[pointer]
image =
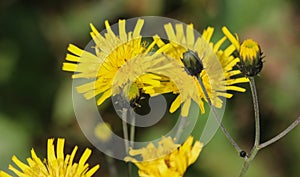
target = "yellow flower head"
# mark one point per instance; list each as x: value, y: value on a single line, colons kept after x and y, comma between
x: 249, y: 53
x: 103, y: 131
x: 152, y: 74
x: 168, y: 159
x: 111, y: 53
x: 56, y: 164
x: 201, y: 59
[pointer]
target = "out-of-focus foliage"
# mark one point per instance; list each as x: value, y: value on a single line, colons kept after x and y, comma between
x: 35, y: 97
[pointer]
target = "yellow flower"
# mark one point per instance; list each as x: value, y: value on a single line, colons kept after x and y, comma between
x: 202, y: 59
x: 168, y: 159
x: 249, y: 52
x: 56, y: 164
x: 111, y: 53
x: 153, y: 74
x: 103, y: 131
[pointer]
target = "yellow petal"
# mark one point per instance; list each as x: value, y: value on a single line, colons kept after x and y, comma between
x: 92, y: 171
x: 231, y: 38
x: 3, y: 174
x: 109, y: 31
x: 180, y: 33
x: 195, y: 152
x: 50, y: 150
x: 73, y: 155
x: 20, y: 164
x: 236, y: 88
x: 190, y: 39
x: 229, y: 50
x: 175, y: 104
x: 94, y: 30
x: 74, y: 49
x: 84, y: 157
x: 170, y: 32
x: 17, y: 172
x: 237, y: 80
x: 103, y: 97
x: 186, y: 108
x: 122, y: 30
x: 219, y: 43
x: 69, y: 67
x: 138, y: 28
x: 74, y: 58
x: 207, y: 34
x: 60, y: 148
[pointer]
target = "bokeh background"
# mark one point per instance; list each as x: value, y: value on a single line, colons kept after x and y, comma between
x: 36, y: 96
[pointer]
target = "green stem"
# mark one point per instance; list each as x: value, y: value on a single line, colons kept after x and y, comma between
x: 111, y: 165
x: 132, y: 134
x: 132, y: 127
x: 125, y: 130
x: 256, y: 111
x: 226, y: 133
x: 248, y: 161
x: 280, y: 135
x: 125, y: 134
x: 255, y: 148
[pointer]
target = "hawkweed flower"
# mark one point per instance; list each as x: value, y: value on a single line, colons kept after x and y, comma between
x: 153, y: 74
x: 197, y: 56
x: 111, y: 53
x: 167, y: 159
x: 56, y: 164
x: 249, y: 52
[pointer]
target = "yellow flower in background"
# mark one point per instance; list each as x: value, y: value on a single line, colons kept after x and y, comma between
x: 168, y: 159
x: 111, y: 53
x: 202, y: 59
x: 249, y: 52
x: 103, y: 131
x: 56, y: 164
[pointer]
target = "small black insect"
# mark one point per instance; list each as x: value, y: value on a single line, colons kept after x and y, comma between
x: 243, y: 154
x: 192, y: 63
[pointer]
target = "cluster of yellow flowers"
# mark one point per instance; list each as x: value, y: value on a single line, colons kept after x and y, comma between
x: 125, y: 64
x: 152, y: 76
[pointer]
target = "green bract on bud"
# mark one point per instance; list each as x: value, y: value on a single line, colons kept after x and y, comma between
x: 192, y: 63
x: 251, y: 57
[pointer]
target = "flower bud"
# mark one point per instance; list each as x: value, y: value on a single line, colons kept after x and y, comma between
x: 251, y: 57
x: 192, y: 63
x: 249, y: 53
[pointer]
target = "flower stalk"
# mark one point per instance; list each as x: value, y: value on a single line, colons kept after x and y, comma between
x: 132, y: 127
x: 257, y: 146
x: 125, y: 129
x: 226, y: 133
x: 280, y: 135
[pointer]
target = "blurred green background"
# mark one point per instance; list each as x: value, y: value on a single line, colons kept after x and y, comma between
x: 35, y: 97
